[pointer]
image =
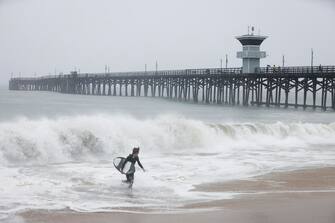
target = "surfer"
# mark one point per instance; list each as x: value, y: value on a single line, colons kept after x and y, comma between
x: 133, y: 158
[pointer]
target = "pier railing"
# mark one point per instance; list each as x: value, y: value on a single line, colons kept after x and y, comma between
x: 299, y: 70
x: 206, y: 71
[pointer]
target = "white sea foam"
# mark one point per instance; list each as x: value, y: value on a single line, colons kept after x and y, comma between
x: 66, y: 162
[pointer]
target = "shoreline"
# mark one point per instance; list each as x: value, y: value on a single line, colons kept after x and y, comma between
x: 306, y: 195
x: 316, y: 208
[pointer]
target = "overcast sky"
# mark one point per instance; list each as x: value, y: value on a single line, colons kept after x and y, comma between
x: 44, y: 36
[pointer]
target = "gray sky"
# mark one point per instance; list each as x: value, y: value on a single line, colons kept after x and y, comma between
x: 39, y: 36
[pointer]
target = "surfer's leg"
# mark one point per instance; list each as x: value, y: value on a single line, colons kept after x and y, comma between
x: 128, y: 177
x: 131, y: 180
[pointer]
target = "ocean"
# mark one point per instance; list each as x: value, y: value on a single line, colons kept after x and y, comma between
x: 56, y: 150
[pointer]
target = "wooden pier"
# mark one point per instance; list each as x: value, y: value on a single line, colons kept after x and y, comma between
x: 305, y: 87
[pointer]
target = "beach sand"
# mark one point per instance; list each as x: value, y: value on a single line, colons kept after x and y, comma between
x: 297, y: 196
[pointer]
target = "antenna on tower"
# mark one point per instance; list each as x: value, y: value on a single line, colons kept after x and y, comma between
x: 252, y: 30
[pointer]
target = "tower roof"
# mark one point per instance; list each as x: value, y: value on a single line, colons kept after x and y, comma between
x: 251, y: 39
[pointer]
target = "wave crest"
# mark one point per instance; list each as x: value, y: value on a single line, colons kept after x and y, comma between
x: 101, y: 137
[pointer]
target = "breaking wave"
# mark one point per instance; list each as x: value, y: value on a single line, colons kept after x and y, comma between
x: 99, y: 137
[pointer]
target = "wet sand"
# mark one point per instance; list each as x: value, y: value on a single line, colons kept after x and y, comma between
x: 298, y: 196
x: 299, y: 180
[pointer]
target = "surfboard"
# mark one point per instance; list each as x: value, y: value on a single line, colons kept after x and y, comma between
x: 128, y: 167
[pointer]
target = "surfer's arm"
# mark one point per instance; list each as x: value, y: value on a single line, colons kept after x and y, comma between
x: 140, y: 164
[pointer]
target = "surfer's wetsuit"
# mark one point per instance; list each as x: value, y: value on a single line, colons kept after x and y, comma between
x: 133, y: 160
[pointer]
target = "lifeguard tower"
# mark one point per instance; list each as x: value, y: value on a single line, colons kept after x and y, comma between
x: 251, y: 53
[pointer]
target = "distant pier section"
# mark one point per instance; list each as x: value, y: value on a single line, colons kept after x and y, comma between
x: 251, y: 85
